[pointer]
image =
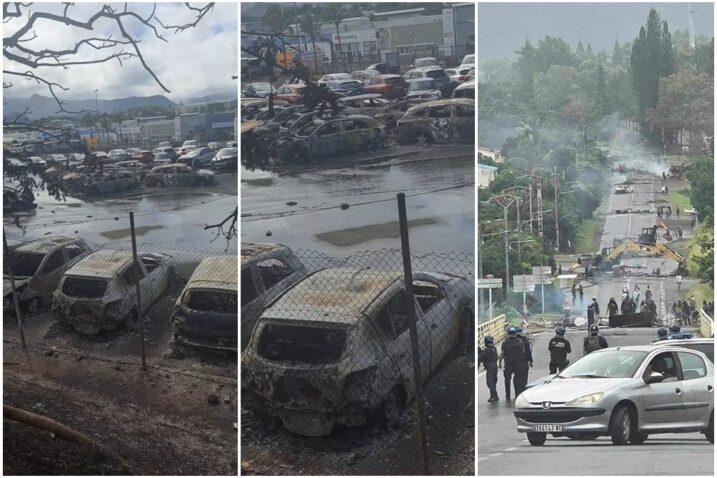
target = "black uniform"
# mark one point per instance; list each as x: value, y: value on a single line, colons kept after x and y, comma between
x: 513, y: 352
x: 612, y: 308
x: 524, y: 366
x: 593, y: 342
x: 489, y: 358
x: 559, y: 349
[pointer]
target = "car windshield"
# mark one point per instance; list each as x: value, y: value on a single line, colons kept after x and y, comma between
x: 420, y: 85
x: 261, y: 86
x: 436, y: 74
x: 342, y: 76
x: 227, y: 152
x: 614, y: 363
x: 469, y: 59
x: 302, y: 344
x: 84, y: 287
x: 421, y: 62
x: 25, y: 264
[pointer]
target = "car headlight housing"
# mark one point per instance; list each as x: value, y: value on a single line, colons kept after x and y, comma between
x: 585, y: 400
x: 521, y: 401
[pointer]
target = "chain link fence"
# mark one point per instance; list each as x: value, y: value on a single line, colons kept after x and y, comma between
x: 94, y: 298
x: 329, y: 371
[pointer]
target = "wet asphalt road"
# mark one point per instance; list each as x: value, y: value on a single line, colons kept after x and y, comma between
x: 504, y: 451
x: 440, y: 221
x: 171, y: 216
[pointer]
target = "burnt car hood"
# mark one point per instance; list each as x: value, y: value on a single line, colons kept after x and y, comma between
x: 7, y: 286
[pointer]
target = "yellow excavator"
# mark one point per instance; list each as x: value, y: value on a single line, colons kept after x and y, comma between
x: 647, y: 244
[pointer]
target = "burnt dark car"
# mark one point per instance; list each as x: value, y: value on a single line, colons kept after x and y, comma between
x: 206, y: 313
x: 441, y: 121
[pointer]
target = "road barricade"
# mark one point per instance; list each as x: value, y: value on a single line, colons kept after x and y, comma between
x: 495, y: 327
x: 707, y: 325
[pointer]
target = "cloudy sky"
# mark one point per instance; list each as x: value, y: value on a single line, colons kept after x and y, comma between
x: 196, y: 62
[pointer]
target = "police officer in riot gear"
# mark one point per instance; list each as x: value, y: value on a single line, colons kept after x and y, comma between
x: 512, y: 351
x: 489, y: 358
x: 527, y: 359
x: 662, y: 333
x: 594, y: 341
x: 559, y: 349
x: 612, y: 307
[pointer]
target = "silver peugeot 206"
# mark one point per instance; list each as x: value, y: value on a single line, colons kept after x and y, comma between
x: 627, y: 393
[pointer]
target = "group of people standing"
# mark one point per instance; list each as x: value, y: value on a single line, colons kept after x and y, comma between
x: 516, y: 357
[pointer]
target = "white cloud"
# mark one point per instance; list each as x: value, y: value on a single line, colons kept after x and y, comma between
x: 194, y: 62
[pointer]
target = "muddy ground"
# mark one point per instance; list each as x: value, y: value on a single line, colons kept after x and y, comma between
x: 177, y: 418
x: 269, y: 449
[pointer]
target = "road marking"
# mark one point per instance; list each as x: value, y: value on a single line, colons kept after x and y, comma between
x: 511, y: 448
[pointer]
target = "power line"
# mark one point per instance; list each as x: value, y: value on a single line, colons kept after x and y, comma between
x: 251, y: 217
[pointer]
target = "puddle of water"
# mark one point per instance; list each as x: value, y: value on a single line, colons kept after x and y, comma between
x: 357, y: 235
x: 122, y: 233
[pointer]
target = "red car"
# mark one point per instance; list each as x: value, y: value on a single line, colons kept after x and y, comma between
x: 289, y: 93
x: 144, y: 156
x: 389, y: 86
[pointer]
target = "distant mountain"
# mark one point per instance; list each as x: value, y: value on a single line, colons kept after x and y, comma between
x: 226, y: 95
x: 44, y: 106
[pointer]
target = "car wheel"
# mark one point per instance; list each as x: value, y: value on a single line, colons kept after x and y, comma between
x: 710, y: 433
x: 34, y: 306
x: 638, y: 438
x: 537, y: 438
x: 620, y: 426
x: 423, y: 139
x: 130, y: 320
x: 391, y: 407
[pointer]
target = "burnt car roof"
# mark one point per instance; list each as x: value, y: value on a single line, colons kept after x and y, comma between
x: 46, y: 245
x: 332, y: 295
x: 254, y: 251
x: 447, y: 101
x: 219, y: 272
x: 104, y: 264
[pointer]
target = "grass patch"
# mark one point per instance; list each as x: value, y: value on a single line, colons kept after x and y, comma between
x: 702, y: 292
x: 679, y: 199
x: 585, y: 235
x: 693, y: 248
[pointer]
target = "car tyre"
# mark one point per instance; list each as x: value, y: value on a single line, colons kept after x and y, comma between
x: 710, y: 432
x: 537, y: 438
x: 131, y: 320
x: 34, y: 306
x: 391, y: 408
x: 638, y: 438
x: 621, y: 426
x: 423, y: 139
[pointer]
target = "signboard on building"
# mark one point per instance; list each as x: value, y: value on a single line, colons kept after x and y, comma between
x: 449, y: 32
x: 383, y: 38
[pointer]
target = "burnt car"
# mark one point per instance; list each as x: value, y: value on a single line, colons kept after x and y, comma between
x: 109, y: 182
x: 368, y: 105
x: 206, y: 312
x: 37, y: 268
x: 99, y: 293
x: 178, y: 175
x: 335, y: 348
x: 442, y: 121
x: 267, y: 270
x: 393, y: 112
x: 320, y: 138
x: 226, y: 158
x: 14, y: 200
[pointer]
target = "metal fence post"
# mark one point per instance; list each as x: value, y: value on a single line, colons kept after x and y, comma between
x: 408, y: 282
x: 15, y: 299
x: 140, y: 316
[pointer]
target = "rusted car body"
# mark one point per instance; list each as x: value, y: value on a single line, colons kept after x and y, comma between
x: 178, y: 175
x: 206, y: 312
x: 442, y: 121
x: 267, y: 270
x: 98, y: 293
x: 335, y: 348
x: 38, y: 267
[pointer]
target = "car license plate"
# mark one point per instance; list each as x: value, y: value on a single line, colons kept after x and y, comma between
x: 548, y: 428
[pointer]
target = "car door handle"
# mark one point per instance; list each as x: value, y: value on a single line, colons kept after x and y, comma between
x: 678, y: 391
x: 709, y: 388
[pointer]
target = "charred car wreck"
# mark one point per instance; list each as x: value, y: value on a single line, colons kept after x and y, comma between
x: 335, y: 348
x: 205, y: 315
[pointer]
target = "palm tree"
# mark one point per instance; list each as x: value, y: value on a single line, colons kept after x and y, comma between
x: 311, y: 26
x: 333, y: 13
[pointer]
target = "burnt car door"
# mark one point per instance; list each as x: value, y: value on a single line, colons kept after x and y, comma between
x: 440, y: 123
x: 439, y: 314
x: 276, y: 275
x: 356, y: 134
x: 464, y: 121
x: 183, y: 176
x: 49, y: 273
x: 326, y: 140
x: 157, y: 274
x: 252, y: 301
x: 393, y: 319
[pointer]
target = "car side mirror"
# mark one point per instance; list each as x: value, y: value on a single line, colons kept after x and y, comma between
x: 655, y: 377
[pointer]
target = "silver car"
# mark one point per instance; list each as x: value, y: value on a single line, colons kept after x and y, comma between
x: 627, y: 393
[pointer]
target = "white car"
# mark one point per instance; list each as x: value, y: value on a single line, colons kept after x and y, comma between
x: 38, y: 162
x: 468, y: 61
x: 335, y: 77
x: 427, y: 62
x: 119, y: 155
x: 458, y: 75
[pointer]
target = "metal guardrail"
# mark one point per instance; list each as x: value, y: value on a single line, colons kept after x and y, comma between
x: 495, y: 327
x: 707, y: 325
